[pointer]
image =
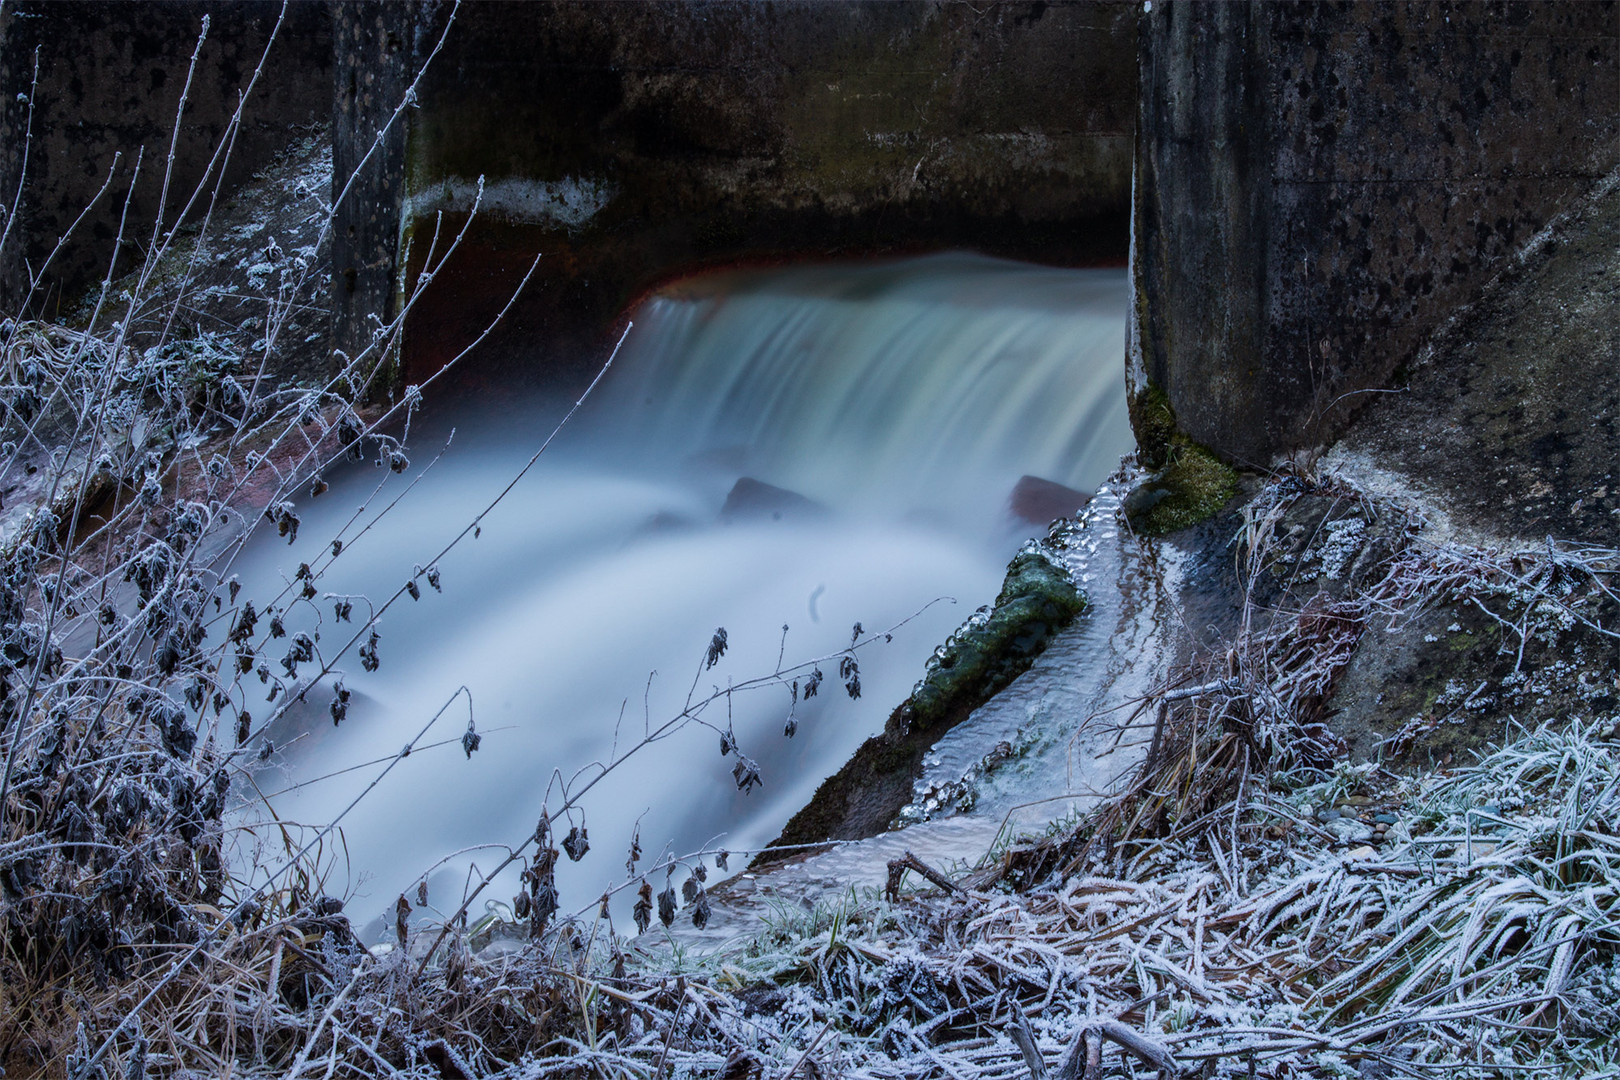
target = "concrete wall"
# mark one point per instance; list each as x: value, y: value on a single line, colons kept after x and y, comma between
x: 375, y: 56
x: 1319, y: 186
x: 630, y: 141
x: 110, y: 80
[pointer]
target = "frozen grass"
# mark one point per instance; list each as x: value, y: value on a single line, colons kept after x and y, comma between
x: 1481, y: 940
x: 1199, y: 916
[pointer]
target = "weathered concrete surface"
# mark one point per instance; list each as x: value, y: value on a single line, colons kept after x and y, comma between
x: 376, y: 52
x: 110, y: 80
x: 628, y: 142
x: 1512, y: 421
x: 1319, y: 186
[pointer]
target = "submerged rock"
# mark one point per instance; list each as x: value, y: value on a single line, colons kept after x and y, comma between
x: 1041, y: 502
x: 752, y: 500
x: 663, y: 523
x: 1037, y: 600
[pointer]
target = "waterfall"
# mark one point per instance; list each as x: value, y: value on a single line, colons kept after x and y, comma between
x: 807, y: 447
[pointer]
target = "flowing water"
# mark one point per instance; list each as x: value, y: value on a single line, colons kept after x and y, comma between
x: 1073, y: 718
x: 891, y: 408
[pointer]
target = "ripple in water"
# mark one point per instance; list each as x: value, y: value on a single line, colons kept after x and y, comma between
x: 899, y: 403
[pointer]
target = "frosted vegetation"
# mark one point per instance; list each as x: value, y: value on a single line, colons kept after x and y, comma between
x: 1217, y: 912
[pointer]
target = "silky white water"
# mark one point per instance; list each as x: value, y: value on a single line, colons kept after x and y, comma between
x: 905, y: 399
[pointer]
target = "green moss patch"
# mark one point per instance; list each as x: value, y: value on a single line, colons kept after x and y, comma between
x: 1154, y: 422
x: 1191, y: 488
x: 1191, y: 483
x: 1036, y: 600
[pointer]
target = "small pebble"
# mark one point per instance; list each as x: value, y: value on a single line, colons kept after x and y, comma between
x: 1350, y: 831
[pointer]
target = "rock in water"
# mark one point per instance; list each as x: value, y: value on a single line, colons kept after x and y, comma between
x: 1040, y: 502
x: 752, y: 499
x: 1037, y: 600
x: 663, y: 523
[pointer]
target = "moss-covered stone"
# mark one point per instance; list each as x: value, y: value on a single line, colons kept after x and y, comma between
x: 1191, y: 484
x: 1037, y: 600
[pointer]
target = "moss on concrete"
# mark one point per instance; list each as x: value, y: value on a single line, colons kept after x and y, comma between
x: 1036, y: 601
x: 1191, y: 488
x: 1154, y: 422
x: 1191, y: 484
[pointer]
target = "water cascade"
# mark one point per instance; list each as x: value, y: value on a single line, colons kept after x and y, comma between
x: 806, y: 448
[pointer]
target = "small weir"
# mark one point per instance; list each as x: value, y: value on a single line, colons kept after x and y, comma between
x: 780, y: 453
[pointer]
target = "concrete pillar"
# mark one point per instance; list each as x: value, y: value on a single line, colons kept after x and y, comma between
x: 1320, y: 186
